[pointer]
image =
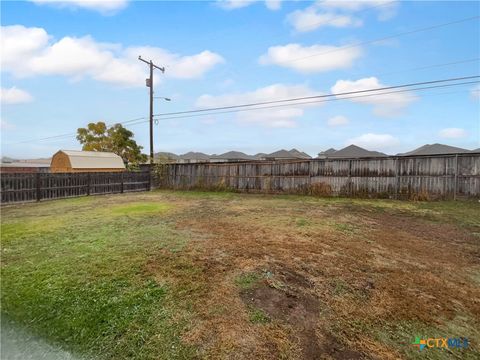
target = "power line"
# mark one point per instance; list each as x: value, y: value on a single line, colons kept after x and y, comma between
x: 381, y: 39
x: 336, y: 17
x: 316, y: 101
x: 291, y: 102
x: 430, y: 66
x: 319, y: 96
x: 306, y: 103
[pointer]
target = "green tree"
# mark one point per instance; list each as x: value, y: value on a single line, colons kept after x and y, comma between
x: 116, y: 139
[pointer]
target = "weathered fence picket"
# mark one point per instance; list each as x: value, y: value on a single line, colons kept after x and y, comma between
x: 435, y: 176
x: 24, y: 187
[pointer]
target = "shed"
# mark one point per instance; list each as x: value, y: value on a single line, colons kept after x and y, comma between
x: 86, y: 161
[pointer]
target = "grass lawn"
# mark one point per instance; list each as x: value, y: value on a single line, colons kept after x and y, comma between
x: 180, y: 275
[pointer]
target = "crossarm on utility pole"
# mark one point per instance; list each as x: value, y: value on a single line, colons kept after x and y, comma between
x: 162, y: 69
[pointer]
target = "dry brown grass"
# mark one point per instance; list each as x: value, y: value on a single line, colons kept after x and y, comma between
x: 293, y: 277
x: 364, y: 279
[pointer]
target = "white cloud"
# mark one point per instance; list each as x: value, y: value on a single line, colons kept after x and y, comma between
x: 305, y: 59
x: 475, y: 93
x: 374, y: 141
x: 238, y: 4
x: 5, y: 125
x: 310, y: 19
x: 14, y: 96
x: 386, y: 105
x: 30, y: 51
x: 106, y: 7
x: 234, y: 4
x: 18, y: 42
x: 273, y: 117
x: 180, y: 67
x: 338, y: 120
x: 338, y: 14
x: 452, y: 133
x: 273, y: 4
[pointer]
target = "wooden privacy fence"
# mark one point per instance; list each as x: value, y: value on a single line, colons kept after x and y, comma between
x: 439, y: 176
x: 18, y: 187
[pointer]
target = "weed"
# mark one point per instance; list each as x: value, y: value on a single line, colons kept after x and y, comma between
x: 247, y: 281
x: 258, y: 316
x: 302, y: 222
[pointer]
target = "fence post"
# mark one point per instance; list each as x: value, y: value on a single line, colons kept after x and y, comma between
x: 397, y: 178
x: 39, y: 186
x: 350, y: 185
x: 88, y: 184
x: 149, y: 184
x: 121, y: 182
x: 310, y: 174
x: 445, y: 176
x: 456, y: 178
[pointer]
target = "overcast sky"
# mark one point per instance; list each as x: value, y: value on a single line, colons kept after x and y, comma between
x: 67, y: 63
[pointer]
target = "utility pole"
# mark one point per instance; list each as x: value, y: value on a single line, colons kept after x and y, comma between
x: 149, y: 83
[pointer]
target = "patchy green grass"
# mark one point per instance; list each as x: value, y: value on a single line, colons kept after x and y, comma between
x: 140, y: 208
x: 302, y: 222
x: 160, y: 275
x: 247, y: 281
x: 258, y: 316
x: 80, y: 281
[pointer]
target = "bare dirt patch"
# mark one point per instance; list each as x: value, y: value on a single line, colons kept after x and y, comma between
x: 286, y: 296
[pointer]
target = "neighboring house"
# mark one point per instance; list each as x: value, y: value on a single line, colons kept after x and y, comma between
x: 352, y: 151
x: 259, y: 156
x: 24, y: 167
x: 193, y: 157
x: 326, y: 153
x: 435, y: 149
x: 231, y: 156
x: 86, y: 161
x: 166, y: 157
x: 293, y: 154
x: 300, y: 154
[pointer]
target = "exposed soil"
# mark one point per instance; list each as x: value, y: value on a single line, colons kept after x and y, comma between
x: 286, y: 299
x: 342, y: 278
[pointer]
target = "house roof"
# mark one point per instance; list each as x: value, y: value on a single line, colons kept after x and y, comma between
x: 285, y: 154
x: 281, y: 154
x: 93, y: 159
x: 327, y: 152
x: 191, y: 155
x: 300, y: 154
x: 435, y: 149
x: 354, y: 151
x: 259, y: 156
x: 476, y: 151
x: 233, y: 155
